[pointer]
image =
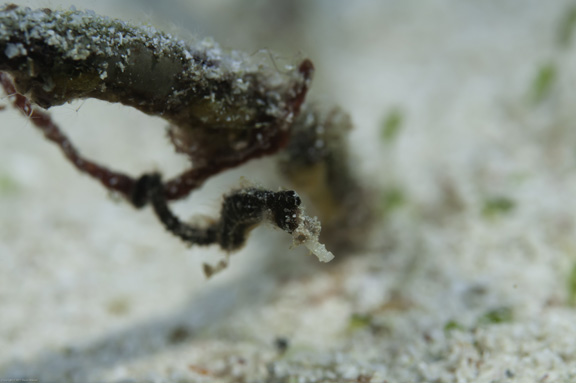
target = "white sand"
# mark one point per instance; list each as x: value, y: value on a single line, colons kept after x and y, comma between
x: 93, y: 291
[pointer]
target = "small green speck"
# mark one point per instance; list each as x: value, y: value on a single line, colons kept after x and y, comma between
x: 391, y: 125
x: 8, y: 185
x: 566, y: 28
x: 118, y: 306
x: 497, y: 206
x: 359, y: 321
x: 543, y: 82
x: 572, y: 286
x: 178, y: 334
x: 499, y: 315
x: 452, y: 325
x: 392, y: 199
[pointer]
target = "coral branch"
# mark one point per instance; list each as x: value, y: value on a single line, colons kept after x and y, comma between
x: 224, y: 109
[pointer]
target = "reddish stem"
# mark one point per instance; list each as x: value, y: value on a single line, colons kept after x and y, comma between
x: 114, y: 181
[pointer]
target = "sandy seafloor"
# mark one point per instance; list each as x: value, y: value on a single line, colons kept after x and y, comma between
x: 466, y: 278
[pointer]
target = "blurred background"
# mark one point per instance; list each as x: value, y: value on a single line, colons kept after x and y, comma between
x: 463, y: 124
